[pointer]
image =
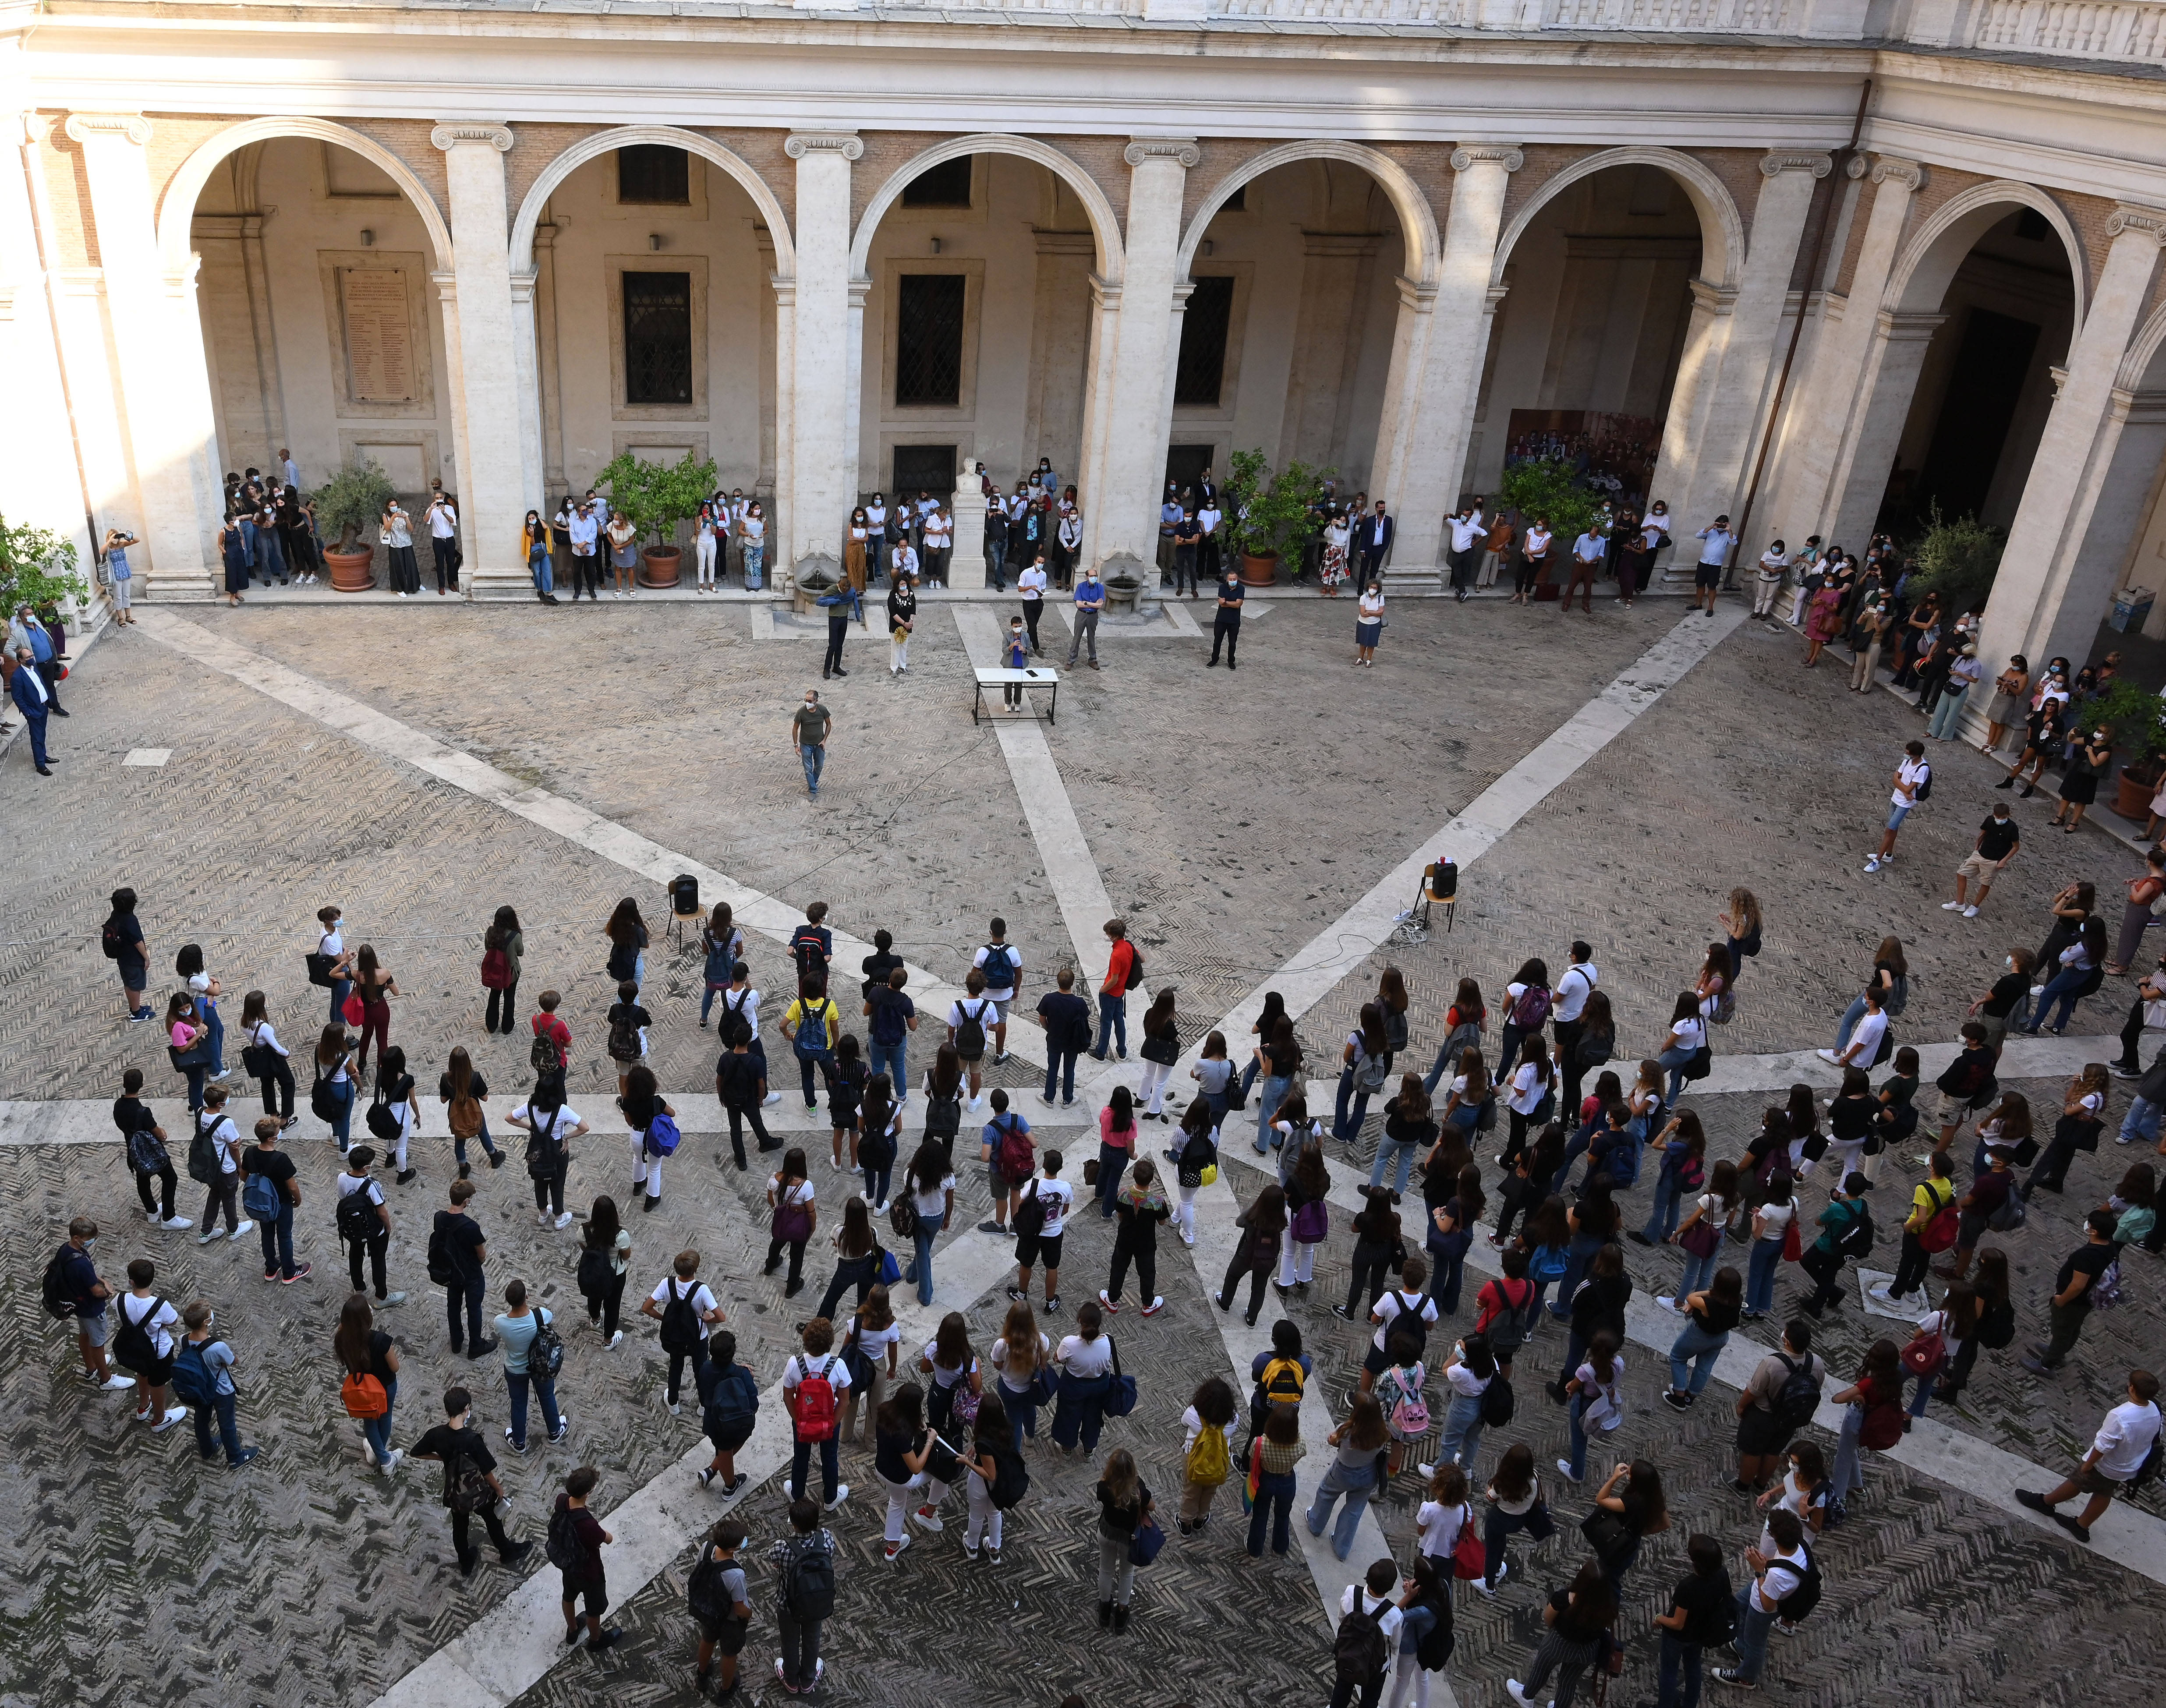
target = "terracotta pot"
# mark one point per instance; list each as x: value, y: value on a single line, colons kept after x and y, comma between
x: 350, y: 571
x: 660, y: 564
x: 2132, y: 799
x: 1260, y: 571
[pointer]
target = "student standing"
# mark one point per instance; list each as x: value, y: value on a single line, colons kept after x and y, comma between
x: 203, y: 1374
x: 642, y: 1105
x: 1361, y: 1441
x: 458, y: 1251
x: 367, y: 1353
x: 462, y: 1091
x: 1913, y: 781
x: 1776, y: 1576
x: 517, y: 1329
x: 281, y: 1195
x: 1124, y: 1503
x: 1226, y: 623
x: 682, y: 1303
x: 793, y: 1212
x: 1368, y: 1636
x: 576, y: 1540
x: 805, y: 1574
x: 729, y: 1408
x: 122, y: 941
x: 2118, y: 1451
x: 1700, y: 1614
x: 2071, y: 1301
x: 813, y: 1382
x: 1050, y: 1198
x: 550, y: 1128
x: 272, y: 1066
x: 1578, y: 1615
x: 605, y: 1254
x: 1067, y: 1019
x: 470, y: 1485
x: 143, y: 1341
x: 1008, y: 1150
x: 720, y: 1603
x: 740, y: 1088
x: 364, y: 1225
x: 148, y: 1160
x: 1141, y: 1207
x: 931, y: 1184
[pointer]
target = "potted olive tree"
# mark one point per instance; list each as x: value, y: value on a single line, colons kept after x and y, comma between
x: 1548, y: 488
x: 2133, y: 712
x: 38, y: 569
x: 655, y: 496
x: 352, y: 502
x: 1271, y: 516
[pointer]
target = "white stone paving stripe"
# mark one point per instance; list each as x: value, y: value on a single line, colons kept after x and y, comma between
x: 753, y: 909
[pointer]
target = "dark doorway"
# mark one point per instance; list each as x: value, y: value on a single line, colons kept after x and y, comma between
x: 924, y: 468
x: 1185, y: 464
x: 1976, y: 413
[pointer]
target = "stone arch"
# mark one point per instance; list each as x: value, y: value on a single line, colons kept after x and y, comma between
x: 1922, y: 274
x: 1722, y: 230
x: 1105, y: 225
x: 2142, y: 368
x: 1416, y: 219
x: 604, y: 142
x: 176, y: 212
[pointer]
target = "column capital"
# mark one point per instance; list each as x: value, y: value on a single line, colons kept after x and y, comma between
x: 523, y: 284
x: 128, y: 127
x: 1909, y: 173
x: 1857, y: 167
x: 1907, y: 329
x: 1181, y: 148
x: 1510, y: 157
x: 2128, y: 217
x: 1415, y: 296
x: 447, y: 137
x: 1774, y: 164
x: 845, y: 143
x: 447, y: 286
x: 1104, y: 294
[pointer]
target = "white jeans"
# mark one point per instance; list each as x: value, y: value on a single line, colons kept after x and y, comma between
x: 1297, y: 1263
x: 398, y: 1150
x: 899, y: 1501
x: 1413, y: 1682
x: 1151, y: 1092
x: 1797, y: 598
x: 985, y: 1516
x: 1763, y: 596
x: 645, y: 1170
x: 1184, y: 1219
x: 707, y: 550
x: 898, y: 656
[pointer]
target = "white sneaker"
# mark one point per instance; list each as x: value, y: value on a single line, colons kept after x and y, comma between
x: 1666, y: 1302
x: 1564, y: 1470
x: 175, y: 1223
x: 563, y: 1221
x: 772, y: 1099
x: 1951, y: 907
x: 247, y: 1228
x: 174, y: 1414
x: 206, y: 1236
x: 613, y: 1341
x: 926, y: 1518
x: 1873, y: 864
x: 1882, y: 1294
x: 389, y: 1461
x: 114, y: 1382
x: 1827, y: 1055
x: 1424, y: 1472
x: 542, y: 1217
x: 842, y: 1494
x: 1971, y: 911
x: 676, y: 1407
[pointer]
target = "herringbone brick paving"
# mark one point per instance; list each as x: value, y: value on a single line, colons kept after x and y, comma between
x: 133, y: 1572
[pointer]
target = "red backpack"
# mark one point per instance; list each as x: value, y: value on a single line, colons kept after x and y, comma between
x: 1014, y: 1155
x: 816, y: 1402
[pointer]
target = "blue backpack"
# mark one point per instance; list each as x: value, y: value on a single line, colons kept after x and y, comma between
x: 662, y: 1136
x: 192, y: 1376
x: 810, y: 1040
x: 261, y: 1198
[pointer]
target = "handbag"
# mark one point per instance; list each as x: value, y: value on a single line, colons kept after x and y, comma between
x: 257, y: 1059
x: 1606, y: 1533
x: 197, y: 1053
x: 353, y: 1008
x: 1470, y: 1555
x: 1793, y: 1245
x: 2077, y: 1133
x: 1144, y: 1547
x: 1044, y: 1386
x: 1701, y: 1238
x: 890, y: 1271
x: 1121, y: 1394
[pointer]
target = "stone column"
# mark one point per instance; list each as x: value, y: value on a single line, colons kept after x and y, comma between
x: 1839, y: 437
x: 1707, y: 479
x: 554, y: 480
x: 1437, y: 349
x: 2092, y: 478
x: 490, y: 384
x: 1127, y: 413
x: 814, y: 372
x: 165, y: 418
x: 966, y: 563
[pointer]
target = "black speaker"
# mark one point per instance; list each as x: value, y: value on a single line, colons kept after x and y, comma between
x: 1442, y: 881
x: 685, y: 894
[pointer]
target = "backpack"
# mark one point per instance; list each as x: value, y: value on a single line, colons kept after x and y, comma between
x: 364, y: 1396
x: 110, y: 942
x: 594, y: 1273
x: 1924, y: 785
x: 1722, y: 1008
x: 562, y: 1546
x: 1509, y: 1329
x: 466, y: 1491
x: 1939, y: 1232
x: 495, y: 970
x: 704, y: 1599
x: 203, y: 1160
x: 1801, y: 1600
x: 192, y: 1382
x: 943, y: 1116
x: 440, y: 1257
x: 1800, y: 1395
x: 2105, y: 1294
x: 808, y: 1588
x: 1498, y: 1403
x: 545, y: 1355
x: 662, y: 1136
x: 1433, y: 1651
x: 465, y: 1117
x: 261, y: 1198
x: 147, y: 1152
x: 1925, y: 1353
x: 1409, y: 1322
x: 1028, y: 1217
x: 810, y: 1042
x: 970, y: 1035
x: 1897, y: 997
x: 542, y: 1151
x: 1856, y: 1240
x: 730, y: 1403
x: 545, y: 1057
x: 1000, y: 967
x: 1881, y: 1426
x: 1369, y: 1075
x: 624, y: 1034
x: 59, y: 1303
x: 902, y: 1216
x: 2147, y: 1472
x: 2010, y: 1215
x: 382, y: 1122
x: 1531, y: 1009
x: 1409, y: 1414
x: 1395, y: 1029
x: 1208, y: 1463
x: 816, y: 1402
x: 1014, y: 1154
x: 1011, y: 1477
x: 1283, y: 1382
x: 133, y: 1347
x: 1996, y: 1325
x: 355, y: 1217
x: 680, y: 1321
x: 1358, y: 1651
x: 808, y: 951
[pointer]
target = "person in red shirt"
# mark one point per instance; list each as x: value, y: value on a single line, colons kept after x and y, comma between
x: 546, y: 1024
x: 1123, y: 967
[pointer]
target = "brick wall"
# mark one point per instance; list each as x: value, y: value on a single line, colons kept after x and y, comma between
x: 409, y: 140
x: 67, y: 194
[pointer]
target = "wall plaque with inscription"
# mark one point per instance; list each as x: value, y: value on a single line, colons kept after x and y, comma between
x: 379, y: 336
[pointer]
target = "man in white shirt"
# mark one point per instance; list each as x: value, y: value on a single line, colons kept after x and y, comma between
x: 1470, y: 535
x: 1864, y: 1045
x: 2118, y: 1451
x: 1714, y: 545
x: 902, y: 562
x: 289, y: 469
x: 1914, y: 780
x: 1572, y: 991
x: 712, y: 538
x: 1775, y: 1578
x: 1587, y: 553
x: 1031, y: 584
x: 1768, y: 579
x: 1209, y: 516
x: 584, y: 530
x: 443, y: 527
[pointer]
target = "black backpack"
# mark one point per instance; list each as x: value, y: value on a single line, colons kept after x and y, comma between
x: 1437, y: 1642
x: 705, y: 1598
x: 1800, y: 1395
x: 133, y: 1347
x: 970, y: 1035
x: 563, y: 1546
x: 382, y: 1122
x: 355, y: 1217
x: 1358, y: 1650
x: 1856, y: 1240
x: 204, y: 1162
x: 1028, y: 1217
x: 1498, y: 1403
x: 1801, y: 1600
x: 680, y: 1322
x: 147, y: 1152
x: 1010, y: 1476
x: 60, y: 1302
x: 595, y: 1273
x: 545, y: 1057
x: 809, y: 1590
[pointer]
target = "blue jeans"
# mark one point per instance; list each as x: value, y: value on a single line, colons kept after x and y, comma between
x: 1577, y: 1255
x: 278, y: 1233
x: 341, y: 988
x: 544, y: 571
x: 1386, y: 1150
x: 1443, y: 1065
x: 1575, y: 1147
x: 1079, y: 1413
x: 1760, y: 1275
x: 1353, y: 1109
x: 1112, y: 1164
x: 459, y: 1144
x: 1270, y: 1095
x: 1663, y: 1214
x: 877, y: 1179
x: 1461, y: 1439
x: 229, y: 1431
x: 1673, y: 1062
x: 1696, y: 1347
x: 1923, y: 1397
x: 1112, y: 1024
x: 217, y: 1039
x: 1446, y: 1273
x: 812, y: 755
x: 1851, y: 1017
x: 341, y: 1093
x: 1578, y: 1436
x: 1699, y: 1273
x: 1498, y: 1526
x: 376, y: 1430
x: 1274, y: 1508
x: 1752, y: 1641
x: 545, y: 1389
x: 1356, y: 1485
x: 196, y: 1073
x: 2141, y: 1121
x: 1848, y: 1474
x: 1247, y: 1076
x: 920, y: 1271
x: 892, y: 1060
x: 1060, y: 1068
x: 2064, y: 985
x: 1679, y: 1659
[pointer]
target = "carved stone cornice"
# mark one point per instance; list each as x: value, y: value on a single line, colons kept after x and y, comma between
x: 845, y: 143
x: 1182, y: 149
x: 1506, y: 154
x: 129, y: 126
x: 447, y: 137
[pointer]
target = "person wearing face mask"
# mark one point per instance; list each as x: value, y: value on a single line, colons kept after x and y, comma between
x: 1015, y: 656
x: 840, y: 603
x: 2091, y: 760
x: 1998, y: 841
x: 535, y: 541
x: 710, y: 539
x: 875, y: 539
x: 1169, y: 519
x: 753, y: 530
x: 78, y: 1283
x: 808, y: 734
x: 203, y: 1376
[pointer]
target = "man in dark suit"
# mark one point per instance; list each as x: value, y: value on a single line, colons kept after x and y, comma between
x: 1373, y: 539
x: 33, y: 700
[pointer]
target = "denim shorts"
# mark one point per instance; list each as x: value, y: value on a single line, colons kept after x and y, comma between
x: 1895, y: 817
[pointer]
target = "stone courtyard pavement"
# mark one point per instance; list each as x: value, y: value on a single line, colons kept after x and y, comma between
x: 1232, y: 819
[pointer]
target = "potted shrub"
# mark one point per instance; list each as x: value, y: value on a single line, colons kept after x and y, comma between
x: 38, y: 569
x: 655, y: 496
x: 351, y: 501
x: 2139, y: 735
x: 1271, y: 516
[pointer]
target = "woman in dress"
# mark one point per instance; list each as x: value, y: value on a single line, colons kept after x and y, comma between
x: 1337, y: 532
x: 1368, y: 626
x: 2009, y: 690
x: 2091, y: 761
x: 236, y: 566
x: 853, y: 550
x: 623, y: 554
x: 398, y: 528
x: 752, y: 530
x: 1823, y: 621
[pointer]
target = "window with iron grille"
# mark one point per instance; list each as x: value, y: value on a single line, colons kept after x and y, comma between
x: 929, y: 342
x: 947, y: 184
x: 1202, y: 370
x: 658, y: 337
x: 652, y: 171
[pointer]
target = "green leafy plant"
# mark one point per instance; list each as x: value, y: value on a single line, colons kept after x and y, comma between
x: 352, y: 502
x: 38, y: 568
x: 1957, y: 560
x: 1548, y: 487
x: 655, y: 496
x: 1272, y: 516
x: 2137, y: 718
